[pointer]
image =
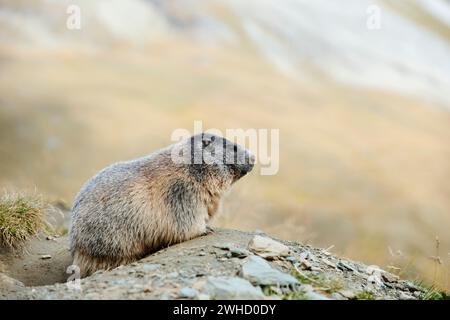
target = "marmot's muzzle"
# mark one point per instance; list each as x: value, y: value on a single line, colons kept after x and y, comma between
x: 243, y: 169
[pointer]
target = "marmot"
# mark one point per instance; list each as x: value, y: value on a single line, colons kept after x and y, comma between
x: 131, y: 209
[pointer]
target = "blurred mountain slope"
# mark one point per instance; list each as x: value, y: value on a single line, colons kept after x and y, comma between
x: 408, y: 54
x: 364, y: 126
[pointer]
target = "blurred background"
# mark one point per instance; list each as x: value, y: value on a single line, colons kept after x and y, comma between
x: 363, y: 113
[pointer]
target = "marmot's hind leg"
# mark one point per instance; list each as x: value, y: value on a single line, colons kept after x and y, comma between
x: 88, y: 265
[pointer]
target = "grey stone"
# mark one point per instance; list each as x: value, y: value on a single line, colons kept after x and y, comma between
x: 148, y: 267
x: 173, y: 275
x: 230, y: 288
x: 404, y: 296
x: 305, y: 265
x: 239, y: 253
x: 292, y: 259
x: 259, y: 272
x: 223, y: 246
x: 345, y: 266
x: 164, y: 296
x: 303, y: 256
x: 311, y: 295
x: 268, y: 248
x: 329, y: 263
x: 204, y: 296
x: 349, y: 294
x: 389, y: 277
x: 337, y: 296
x: 187, y: 293
x: 411, y: 286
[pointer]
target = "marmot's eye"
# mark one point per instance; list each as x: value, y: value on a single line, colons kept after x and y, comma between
x: 206, y: 143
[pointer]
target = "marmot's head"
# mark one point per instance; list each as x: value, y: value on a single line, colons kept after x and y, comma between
x: 211, y: 156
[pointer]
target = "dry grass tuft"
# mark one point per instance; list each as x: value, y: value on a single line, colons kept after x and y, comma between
x: 20, y: 217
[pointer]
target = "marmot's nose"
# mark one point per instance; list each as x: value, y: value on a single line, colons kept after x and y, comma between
x: 248, y: 166
x: 251, y: 159
x: 246, y: 169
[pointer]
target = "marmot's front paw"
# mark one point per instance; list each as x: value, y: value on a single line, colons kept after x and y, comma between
x: 209, y: 230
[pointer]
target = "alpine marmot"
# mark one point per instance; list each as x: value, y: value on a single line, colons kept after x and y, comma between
x: 131, y: 209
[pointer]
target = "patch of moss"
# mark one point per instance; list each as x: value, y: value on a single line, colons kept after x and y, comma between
x: 20, y: 217
x: 326, y: 284
x: 301, y: 277
x: 365, y: 295
x: 294, y: 296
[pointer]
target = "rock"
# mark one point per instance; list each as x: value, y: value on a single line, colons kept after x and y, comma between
x: 164, y: 296
x: 345, y: 266
x: 232, y: 288
x: 46, y: 257
x: 337, y: 296
x: 389, y: 277
x: 303, y: 256
x: 259, y: 272
x: 329, y: 263
x: 404, y: 296
x: 187, y: 293
x: 268, y: 248
x: 292, y: 259
x: 204, y: 296
x: 307, y: 287
x: 148, y: 267
x: 374, y: 270
x: 305, y: 265
x: 411, y: 287
x: 172, y: 275
x: 234, y: 251
x: 223, y: 246
x: 311, y: 295
x: 347, y: 294
x: 239, y: 253
x: 374, y: 282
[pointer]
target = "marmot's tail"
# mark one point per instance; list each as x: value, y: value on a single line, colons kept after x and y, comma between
x: 88, y: 264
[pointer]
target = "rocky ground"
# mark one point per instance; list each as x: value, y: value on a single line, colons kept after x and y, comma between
x: 227, y: 264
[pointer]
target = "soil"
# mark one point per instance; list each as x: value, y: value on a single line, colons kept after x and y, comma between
x: 189, y: 270
x: 32, y: 266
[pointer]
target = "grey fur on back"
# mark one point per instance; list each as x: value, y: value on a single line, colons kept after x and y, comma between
x: 133, y: 208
